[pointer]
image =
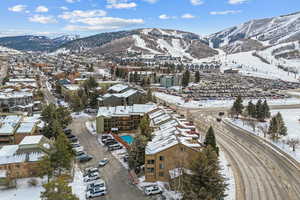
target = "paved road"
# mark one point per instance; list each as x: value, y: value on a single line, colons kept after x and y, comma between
x: 114, y: 174
x: 49, y: 98
x: 261, y: 173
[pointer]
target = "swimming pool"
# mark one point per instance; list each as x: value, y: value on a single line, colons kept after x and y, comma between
x: 127, y: 138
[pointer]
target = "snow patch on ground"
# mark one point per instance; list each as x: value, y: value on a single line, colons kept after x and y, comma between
x: 228, y: 174
x: 290, y: 117
x: 78, y: 186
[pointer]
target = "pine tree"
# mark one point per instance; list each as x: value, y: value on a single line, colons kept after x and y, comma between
x: 204, y: 181
x: 282, y: 130
x: 44, y: 168
x: 136, y: 152
x: 197, y: 77
x: 259, y: 110
x: 277, y: 127
x: 251, y: 109
x: 62, y: 156
x: 238, y: 107
x: 266, y: 110
x: 145, y: 127
x: 210, y: 139
x: 58, y: 189
x: 185, y: 78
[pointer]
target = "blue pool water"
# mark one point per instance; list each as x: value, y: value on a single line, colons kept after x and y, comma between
x: 127, y: 138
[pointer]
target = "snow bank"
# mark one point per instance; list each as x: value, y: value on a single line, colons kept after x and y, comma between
x: 76, y: 115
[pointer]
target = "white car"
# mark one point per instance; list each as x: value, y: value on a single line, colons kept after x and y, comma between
x: 97, y: 183
x: 152, y: 189
x: 92, y: 177
x: 103, y: 162
x: 96, y: 192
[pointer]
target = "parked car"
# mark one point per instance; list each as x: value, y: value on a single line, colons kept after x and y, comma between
x: 67, y: 131
x: 105, y: 137
x: 125, y: 158
x: 73, y: 139
x: 152, y: 189
x: 70, y: 135
x: 103, y: 162
x: 96, y: 192
x: 75, y: 145
x: 110, y: 140
x: 114, y: 147
x: 97, y: 183
x: 80, y: 148
x: 84, y: 158
x: 90, y: 170
x: 91, y: 177
x: 79, y: 153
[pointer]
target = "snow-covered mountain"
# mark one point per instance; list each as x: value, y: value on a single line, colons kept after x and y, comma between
x: 65, y: 38
x: 155, y: 41
x: 268, y: 31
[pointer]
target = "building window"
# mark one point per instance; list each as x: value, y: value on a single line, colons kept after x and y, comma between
x: 161, y: 166
x: 150, y: 162
x: 150, y: 170
x: 161, y: 158
x: 161, y: 174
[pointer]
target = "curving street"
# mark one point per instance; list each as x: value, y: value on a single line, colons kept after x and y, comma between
x: 262, y: 171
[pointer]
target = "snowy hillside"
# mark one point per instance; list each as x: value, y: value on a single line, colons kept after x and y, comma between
x: 268, y: 31
x: 185, y: 45
x: 8, y: 50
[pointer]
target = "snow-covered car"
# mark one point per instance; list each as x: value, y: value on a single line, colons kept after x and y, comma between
x: 152, y: 189
x: 92, y: 177
x: 97, y: 183
x: 90, y: 170
x: 96, y: 192
x: 103, y: 162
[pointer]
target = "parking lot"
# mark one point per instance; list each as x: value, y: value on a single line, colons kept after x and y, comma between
x: 114, y: 174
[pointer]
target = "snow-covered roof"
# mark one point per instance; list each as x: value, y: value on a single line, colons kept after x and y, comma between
x: 7, y: 129
x: 125, y: 110
x: 118, y: 87
x: 32, y: 139
x: 161, y: 145
x: 8, y: 150
x: 26, y: 127
x: 22, y: 80
x: 13, y: 119
x: 15, y: 95
x: 72, y: 87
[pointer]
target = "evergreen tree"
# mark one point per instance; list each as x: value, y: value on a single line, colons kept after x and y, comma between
x: 259, y: 110
x: 145, y: 127
x: 238, y: 107
x: 136, y: 152
x: 266, y: 110
x: 135, y: 77
x: 210, y: 139
x: 94, y: 99
x: 185, y: 78
x: 277, y: 127
x: 251, y: 109
x: 44, y: 168
x: 62, y: 156
x: 58, y: 189
x: 197, y: 77
x: 205, y: 180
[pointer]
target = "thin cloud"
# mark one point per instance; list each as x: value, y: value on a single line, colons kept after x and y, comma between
x: 82, y: 14
x: 197, y: 2
x: 187, y: 16
x: 164, y: 16
x: 225, y: 12
x: 234, y: 2
x: 17, y: 8
x: 42, y: 19
x: 41, y: 9
x: 122, y: 5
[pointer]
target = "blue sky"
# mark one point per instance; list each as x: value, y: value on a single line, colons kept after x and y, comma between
x: 86, y: 17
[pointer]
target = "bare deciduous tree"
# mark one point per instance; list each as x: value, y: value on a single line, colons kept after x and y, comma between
x: 264, y: 129
x: 293, y: 143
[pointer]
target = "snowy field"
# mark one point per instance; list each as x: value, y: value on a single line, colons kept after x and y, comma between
x: 290, y: 117
x: 26, y: 192
x: 76, y: 115
x: 218, y: 103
